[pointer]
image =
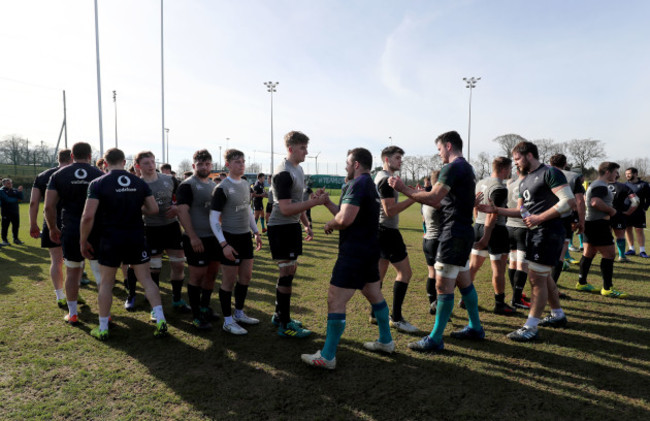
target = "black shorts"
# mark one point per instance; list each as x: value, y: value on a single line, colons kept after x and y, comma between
x: 430, y: 249
x: 164, y: 237
x: 269, y: 207
x: 499, y: 242
x: 544, y: 244
x: 355, y: 272
x: 46, y: 243
x: 211, y: 251
x: 258, y: 205
x: 637, y: 219
x: 618, y: 221
x: 598, y: 233
x: 71, y: 248
x: 391, y: 245
x: 455, y: 248
x: 240, y: 242
x: 285, y: 241
x: 517, y: 238
x: 122, y: 247
x: 568, y: 229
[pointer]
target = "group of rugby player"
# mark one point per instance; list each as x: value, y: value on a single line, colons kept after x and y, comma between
x: 116, y: 218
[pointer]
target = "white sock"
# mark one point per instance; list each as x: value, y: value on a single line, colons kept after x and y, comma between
x: 557, y: 312
x: 94, y: 266
x: 72, y: 307
x: 239, y: 313
x: 531, y: 322
x: 228, y: 320
x: 158, y: 313
x: 631, y: 248
x: 103, y: 323
x: 641, y: 249
x: 59, y: 294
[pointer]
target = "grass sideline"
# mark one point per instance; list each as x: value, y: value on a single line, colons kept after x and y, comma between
x: 597, y: 368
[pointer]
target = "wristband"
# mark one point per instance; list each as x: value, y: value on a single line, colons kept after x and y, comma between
x: 225, y: 246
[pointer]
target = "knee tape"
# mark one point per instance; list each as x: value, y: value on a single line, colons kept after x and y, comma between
x: 73, y: 265
x: 496, y: 256
x: 155, y: 263
x: 512, y: 256
x: 287, y: 264
x: 540, y: 269
x: 285, y: 281
x: 446, y: 270
x: 521, y: 256
x: 176, y: 259
x: 482, y: 253
x: 94, y: 266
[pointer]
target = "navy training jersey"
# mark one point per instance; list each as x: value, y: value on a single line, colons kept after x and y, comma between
x: 642, y: 190
x: 621, y: 193
x: 258, y: 188
x: 121, y: 196
x: 40, y: 183
x: 360, y: 239
x: 457, y: 206
x: 71, y: 183
x: 537, y: 189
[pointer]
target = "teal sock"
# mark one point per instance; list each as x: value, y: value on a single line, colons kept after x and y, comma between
x: 443, y: 311
x: 567, y: 255
x: 381, y: 314
x: 620, y: 246
x: 580, y: 239
x: 470, y: 297
x: 424, y: 227
x: 335, y: 328
x: 263, y: 224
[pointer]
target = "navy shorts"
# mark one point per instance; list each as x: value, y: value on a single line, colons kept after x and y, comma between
x: 544, y: 244
x: 637, y: 219
x: 46, y: 243
x: 455, y: 248
x: 211, y: 251
x: 355, y: 272
x: 164, y: 237
x: 499, y: 242
x: 117, y: 247
x: 430, y: 249
x: 618, y: 221
x: 391, y: 245
x: 242, y: 244
x: 517, y: 238
x: 71, y: 248
x: 285, y: 241
x: 598, y: 233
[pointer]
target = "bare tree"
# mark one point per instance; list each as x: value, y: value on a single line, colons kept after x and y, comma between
x: 507, y: 142
x: 547, y: 148
x: 482, y: 165
x: 409, y: 168
x: 13, y: 150
x: 584, y: 151
x: 184, y: 165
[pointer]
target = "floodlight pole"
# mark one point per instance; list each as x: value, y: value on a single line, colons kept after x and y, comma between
x: 99, y: 85
x: 270, y: 87
x: 471, y: 84
x: 162, y: 79
x: 115, y: 104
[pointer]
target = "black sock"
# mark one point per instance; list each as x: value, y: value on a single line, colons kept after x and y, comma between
x: 499, y: 299
x: 240, y: 295
x: 177, y: 289
x: 284, y: 306
x: 520, y: 283
x: 156, y: 278
x: 205, y: 297
x: 225, y: 298
x: 431, y: 290
x: 194, y: 295
x: 557, y: 270
x: 131, y: 281
x: 585, y: 265
x: 399, y: 292
x: 607, y: 270
x: 511, y: 276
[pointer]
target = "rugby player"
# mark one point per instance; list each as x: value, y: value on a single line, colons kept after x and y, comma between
x: 231, y: 220
x: 258, y: 199
x: 56, y: 253
x: 69, y: 185
x: 625, y: 202
x: 285, y: 239
x: 636, y: 222
x: 517, y: 232
x: 10, y: 198
x: 357, y: 265
x: 120, y: 199
x: 391, y: 243
x: 453, y: 193
x: 431, y: 221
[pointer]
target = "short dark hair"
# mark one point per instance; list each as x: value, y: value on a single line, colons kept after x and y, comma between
x: 451, y: 137
x: 558, y: 160
x: 391, y: 150
x: 607, y: 166
x: 231, y: 154
x: 166, y: 166
x: 526, y: 147
x: 501, y: 163
x: 64, y: 156
x: 362, y: 156
x: 114, y: 156
x: 260, y: 175
x: 144, y: 154
x: 100, y: 163
x: 82, y: 150
x: 202, y: 155
x: 633, y: 170
x: 294, y: 138
x: 188, y: 173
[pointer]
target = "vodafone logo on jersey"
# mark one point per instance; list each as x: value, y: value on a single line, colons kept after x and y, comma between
x: 80, y: 174
x: 124, y: 181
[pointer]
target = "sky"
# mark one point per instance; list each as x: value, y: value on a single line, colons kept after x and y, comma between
x: 351, y: 73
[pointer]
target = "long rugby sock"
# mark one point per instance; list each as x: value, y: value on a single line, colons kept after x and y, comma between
x: 470, y: 297
x: 240, y: 295
x: 284, y: 306
x: 607, y: 270
x: 620, y: 246
x: 225, y: 298
x: 399, y: 292
x: 131, y: 280
x: 381, y: 313
x: 335, y: 328
x: 580, y: 240
x: 177, y: 289
x: 158, y: 313
x: 431, y: 289
x: 424, y: 227
x: 443, y: 311
x: 263, y: 223
x: 520, y: 283
x: 557, y: 271
x: 511, y: 276
x: 194, y: 295
x: 205, y: 297
x: 567, y: 255
x: 155, y: 276
x: 499, y: 299
x: 585, y: 265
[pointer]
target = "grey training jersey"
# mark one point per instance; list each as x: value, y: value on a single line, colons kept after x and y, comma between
x: 513, y: 200
x: 598, y: 189
x: 493, y: 190
x: 288, y: 183
x: 386, y: 192
x: 232, y: 198
x: 162, y: 189
x: 432, y: 222
x: 198, y: 196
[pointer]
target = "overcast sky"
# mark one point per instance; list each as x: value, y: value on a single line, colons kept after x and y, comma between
x: 352, y: 73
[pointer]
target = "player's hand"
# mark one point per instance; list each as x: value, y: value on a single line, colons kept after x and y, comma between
x: 486, y: 208
x: 197, y: 244
x: 20, y: 188
x: 480, y: 244
x: 532, y: 221
x: 230, y: 253
x: 258, y: 241
x: 34, y: 231
x: 310, y: 234
x: 396, y: 183
x: 328, y: 228
x: 87, y: 250
x: 579, y: 228
x: 479, y: 198
x: 172, y: 212
x: 55, y: 235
